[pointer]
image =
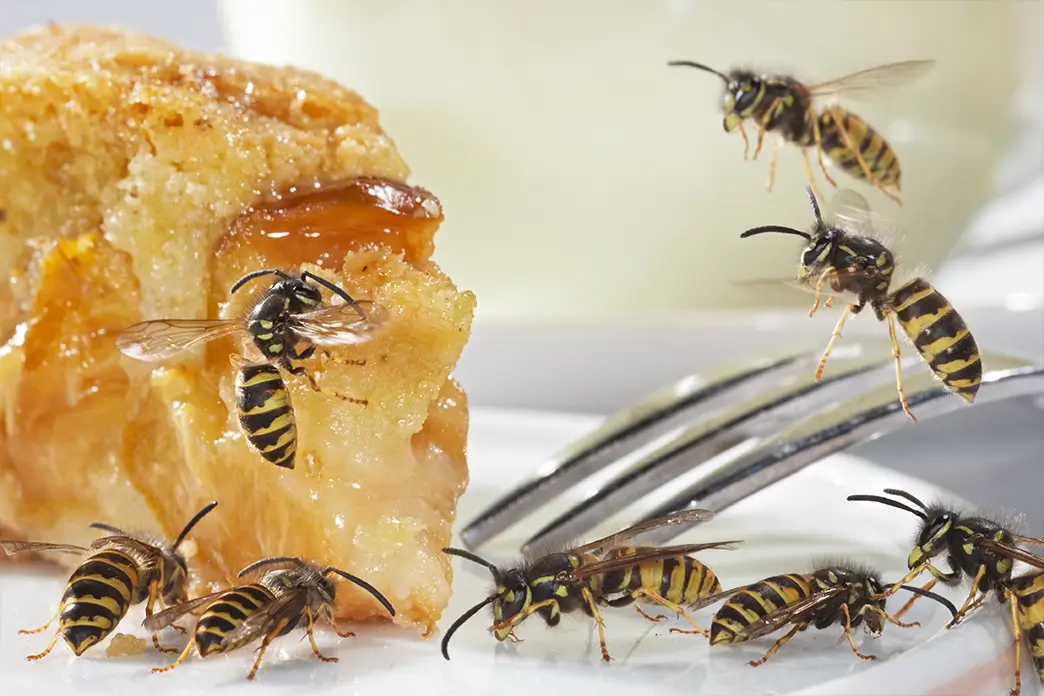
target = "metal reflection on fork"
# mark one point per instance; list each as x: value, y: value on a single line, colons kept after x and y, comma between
x: 793, y: 421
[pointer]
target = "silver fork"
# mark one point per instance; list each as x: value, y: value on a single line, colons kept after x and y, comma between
x: 773, y: 403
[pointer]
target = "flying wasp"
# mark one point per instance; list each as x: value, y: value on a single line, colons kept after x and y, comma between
x: 121, y: 570
x: 783, y: 105
x: 833, y: 593
x: 855, y: 263
x: 954, y: 536
x: 605, y: 573
x: 287, y: 594
x: 286, y: 325
x: 1025, y: 597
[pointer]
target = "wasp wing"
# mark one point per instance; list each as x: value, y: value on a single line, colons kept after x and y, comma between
x: 270, y: 618
x: 1011, y: 551
x: 621, y: 538
x: 161, y: 620
x: 160, y: 339
x: 873, y: 80
x: 1032, y: 541
x: 13, y: 547
x: 623, y: 561
x: 340, y: 325
x: 791, y: 613
x: 714, y: 598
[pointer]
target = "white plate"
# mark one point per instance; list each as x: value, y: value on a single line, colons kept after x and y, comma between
x: 783, y: 527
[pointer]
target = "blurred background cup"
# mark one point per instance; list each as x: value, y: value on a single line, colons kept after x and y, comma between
x: 581, y: 176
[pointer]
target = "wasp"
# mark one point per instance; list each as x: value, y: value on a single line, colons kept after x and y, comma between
x: 287, y: 324
x: 782, y: 105
x: 1025, y: 597
x: 289, y: 592
x: 605, y: 573
x: 949, y: 533
x: 855, y: 263
x: 833, y: 593
x: 119, y: 571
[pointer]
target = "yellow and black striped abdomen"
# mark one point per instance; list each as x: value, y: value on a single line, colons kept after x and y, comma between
x: 878, y: 155
x: 940, y: 336
x: 96, y: 598
x: 225, y: 613
x: 754, y: 602
x: 266, y: 414
x: 1030, y: 598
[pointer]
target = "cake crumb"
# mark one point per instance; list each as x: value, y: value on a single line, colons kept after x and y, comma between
x: 125, y: 644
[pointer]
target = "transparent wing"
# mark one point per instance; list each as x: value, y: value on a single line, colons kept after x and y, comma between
x: 162, y: 338
x: 342, y: 324
x: 873, y: 80
x: 714, y: 598
x: 1032, y: 541
x: 609, y: 565
x: 791, y: 613
x: 168, y: 616
x: 13, y: 547
x: 268, y: 619
x: 621, y: 538
x: 1012, y: 551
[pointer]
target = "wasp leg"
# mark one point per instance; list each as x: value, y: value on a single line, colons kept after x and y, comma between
x: 828, y: 273
x: 817, y: 137
x: 311, y: 637
x: 27, y: 632
x: 677, y: 609
x: 898, y: 367
x: 833, y: 337
x: 348, y: 634
x: 264, y: 646
x: 874, y: 181
x: 522, y: 615
x: 299, y: 371
x: 655, y: 619
x: 808, y: 173
x: 777, y: 645
x: 181, y: 658
x: 829, y: 302
x: 50, y: 647
x: 589, y: 598
x: 746, y: 141
x: 969, y: 602
x: 329, y: 356
x: 894, y: 619
x: 1016, y: 628
x: 762, y: 123
x: 906, y: 607
x: 513, y: 638
x: 848, y: 634
x: 772, y: 168
x: 153, y: 596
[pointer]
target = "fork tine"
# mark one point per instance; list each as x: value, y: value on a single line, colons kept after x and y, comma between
x: 761, y: 416
x: 624, y: 432
x: 858, y: 418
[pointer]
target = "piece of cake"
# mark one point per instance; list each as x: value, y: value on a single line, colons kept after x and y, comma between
x: 140, y: 181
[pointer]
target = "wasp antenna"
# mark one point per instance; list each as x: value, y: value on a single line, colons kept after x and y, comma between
x: 471, y: 557
x: 462, y: 620
x: 269, y: 561
x: 331, y: 287
x: 775, y: 228
x: 699, y: 66
x: 908, y: 496
x: 815, y: 205
x: 363, y: 584
x: 193, y: 522
x: 107, y: 528
x: 257, y: 274
x: 886, y: 501
x: 930, y: 595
